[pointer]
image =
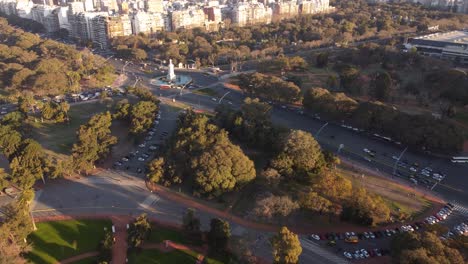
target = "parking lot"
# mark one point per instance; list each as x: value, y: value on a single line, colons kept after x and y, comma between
x: 150, y: 143
x: 356, y: 246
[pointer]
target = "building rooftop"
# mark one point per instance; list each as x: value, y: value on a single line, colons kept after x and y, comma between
x: 454, y: 37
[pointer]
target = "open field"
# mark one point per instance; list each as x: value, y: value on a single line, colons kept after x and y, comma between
x: 54, y: 241
x: 206, y: 91
x: 154, y: 256
x: 59, y: 138
x: 160, y: 233
x: 399, y: 199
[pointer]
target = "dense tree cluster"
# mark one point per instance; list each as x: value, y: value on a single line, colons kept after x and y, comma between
x: 94, y: 142
x: 298, y: 161
x: 300, y: 156
x: 140, y: 115
x: 55, y: 112
x: 15, y: 226
x: 219, y: 234
x: 269, y: 88
x: 251, y: 125
x: 45, y: 67
x: 201, y: 152
x: 286, y: 247
x: 418, y: 131
x: 333, y: 105
x: 138, y: 231
x: 425, y: 247
x: 284, y: 64
x: 274, y: 206
x: 354, y: 20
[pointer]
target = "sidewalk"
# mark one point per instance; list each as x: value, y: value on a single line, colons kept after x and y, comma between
x: 119, y: 250
x: 79, y: 257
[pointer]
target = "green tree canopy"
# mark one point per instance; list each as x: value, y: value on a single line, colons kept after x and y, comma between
x: 286, y: 247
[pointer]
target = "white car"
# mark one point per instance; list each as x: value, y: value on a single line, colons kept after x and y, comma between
x: 314, y: 236
x: 348, y: 255
x: 366, y: 150
x: 141, y: 159
x: 153, y: 147
x: 124, y: 159
x: 413, y: 169
x: 214, y: 99
x: 142, y: 145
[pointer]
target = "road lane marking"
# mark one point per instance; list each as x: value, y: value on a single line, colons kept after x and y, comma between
x: 149, y: 201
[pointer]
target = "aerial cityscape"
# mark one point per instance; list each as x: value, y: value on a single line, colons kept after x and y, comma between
x: 260, y: 131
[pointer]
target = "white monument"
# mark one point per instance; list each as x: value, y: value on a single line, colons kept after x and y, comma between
x: 170, y: 74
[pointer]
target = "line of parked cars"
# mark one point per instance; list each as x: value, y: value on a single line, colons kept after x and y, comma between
x: 441, y: 215
x: 147, y: 148
x: 366, y: 253
x: 461, y: 229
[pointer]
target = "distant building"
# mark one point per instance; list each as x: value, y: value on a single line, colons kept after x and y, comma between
x: 148, y: 23
x: 251, y: 13
x: 154, y: 6
x: 451, y: 45
x: 188, y: 18
x: 47, y: 16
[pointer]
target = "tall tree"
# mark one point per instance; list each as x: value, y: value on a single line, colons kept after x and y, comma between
x: 190, y: 222
x: 382, y: 85
x: 28, y: 164
x: 300, y: 155
x: 94, y: 142
x: 219, y: 234
x: 142, y: 116
x: 138, y: 231
x: 286, y: 247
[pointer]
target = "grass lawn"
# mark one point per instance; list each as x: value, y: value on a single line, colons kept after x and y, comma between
x: 54, y: 241
x: 59, y: 138
x: 399, y: 199
x: 154, y: 256
x: 161, y: 233
x: 206, y: 91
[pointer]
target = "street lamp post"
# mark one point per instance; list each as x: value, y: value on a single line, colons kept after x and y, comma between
x: 397, y: 160
x: 222, y: 97
x: 320, y: 130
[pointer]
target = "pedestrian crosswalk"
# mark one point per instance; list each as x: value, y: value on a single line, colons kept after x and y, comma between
x: 460, y: 208
x: 318, y: 250
x: 149, y: 201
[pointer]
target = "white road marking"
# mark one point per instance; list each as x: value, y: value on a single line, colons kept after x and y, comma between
x: 460, y: 208
x: 149, y: 201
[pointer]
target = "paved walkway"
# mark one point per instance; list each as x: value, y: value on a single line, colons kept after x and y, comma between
x: 79, y: 257
x: 119, y: 250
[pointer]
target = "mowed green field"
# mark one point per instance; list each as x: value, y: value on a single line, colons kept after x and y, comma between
x: 154, y: 256
x: 160, y: 233
x: 58, y: 240
x: 59, y: 138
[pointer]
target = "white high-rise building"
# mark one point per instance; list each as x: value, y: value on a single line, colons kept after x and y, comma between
x: 251, y: 13
x: 88, y: 5
x: 154, y: 6
x: 148, y: 23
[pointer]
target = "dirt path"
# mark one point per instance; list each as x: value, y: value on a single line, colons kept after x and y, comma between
x: 79, y: 257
